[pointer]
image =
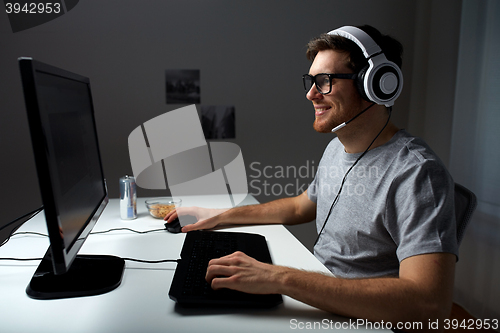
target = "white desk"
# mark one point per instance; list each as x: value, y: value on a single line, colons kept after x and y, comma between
x: 141, y: 302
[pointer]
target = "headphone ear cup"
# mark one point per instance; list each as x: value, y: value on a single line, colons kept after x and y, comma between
x: 360, y: 83
x: 383, y: 84
x: 386, y: 81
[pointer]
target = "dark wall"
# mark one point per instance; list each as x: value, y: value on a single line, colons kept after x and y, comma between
x: 251, y: 54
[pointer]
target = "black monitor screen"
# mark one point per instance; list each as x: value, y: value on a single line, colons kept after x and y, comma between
x: 72, y: 185
x: 73, y: 154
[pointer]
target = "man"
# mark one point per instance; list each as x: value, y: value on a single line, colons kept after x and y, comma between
x: 386, y: 223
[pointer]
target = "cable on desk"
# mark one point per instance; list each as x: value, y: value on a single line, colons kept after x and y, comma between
x: 126, y: 229
x: 128, y: 259
x: 29, y: 233
x: 152, y: 261
x: 90, y: 256
x: 21, y: 259
x: 31, y: 214
x: 92, y: 233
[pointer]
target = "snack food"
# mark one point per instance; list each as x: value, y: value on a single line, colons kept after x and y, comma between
x: 160, y: 210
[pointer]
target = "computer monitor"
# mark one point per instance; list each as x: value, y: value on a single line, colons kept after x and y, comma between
x: 71, y: 180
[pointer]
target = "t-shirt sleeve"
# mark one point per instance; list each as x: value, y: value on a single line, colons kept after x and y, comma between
x: 311, y: 190
x: 420, y: 211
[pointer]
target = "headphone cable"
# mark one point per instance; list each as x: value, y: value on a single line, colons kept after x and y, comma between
x: 345, y: 176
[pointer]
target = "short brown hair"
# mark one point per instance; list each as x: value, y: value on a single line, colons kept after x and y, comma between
x: 391, y: 47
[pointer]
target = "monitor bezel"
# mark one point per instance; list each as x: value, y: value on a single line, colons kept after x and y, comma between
x: 62, y: 257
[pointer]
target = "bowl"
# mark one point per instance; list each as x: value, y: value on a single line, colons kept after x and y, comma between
x: 160, y: 207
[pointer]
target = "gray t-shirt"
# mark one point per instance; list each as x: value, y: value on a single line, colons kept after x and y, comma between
x: 397, y: 202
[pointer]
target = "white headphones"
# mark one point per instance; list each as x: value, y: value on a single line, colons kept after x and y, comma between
x: 381, y: 81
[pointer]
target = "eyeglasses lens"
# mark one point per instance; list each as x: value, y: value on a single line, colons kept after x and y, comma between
x: 308, y: 82
x: 322, y: 82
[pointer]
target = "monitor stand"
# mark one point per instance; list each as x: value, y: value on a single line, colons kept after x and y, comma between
x: 88, y: 275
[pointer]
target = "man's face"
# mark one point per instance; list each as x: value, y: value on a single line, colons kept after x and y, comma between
x: 343, y: 102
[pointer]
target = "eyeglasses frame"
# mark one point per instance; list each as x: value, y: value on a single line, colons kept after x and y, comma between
x: 350, y: 76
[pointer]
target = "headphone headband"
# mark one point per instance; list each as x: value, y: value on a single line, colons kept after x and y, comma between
x: 382, y: 80
x: 361, y: 38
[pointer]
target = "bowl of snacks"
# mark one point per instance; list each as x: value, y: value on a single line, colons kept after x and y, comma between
x: 160, y: 207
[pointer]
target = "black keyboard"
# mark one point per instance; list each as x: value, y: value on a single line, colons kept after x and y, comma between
x: 206, y: 248
x: 189, y: 287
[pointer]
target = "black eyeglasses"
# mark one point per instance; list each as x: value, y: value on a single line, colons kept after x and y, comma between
x: 323, y: 81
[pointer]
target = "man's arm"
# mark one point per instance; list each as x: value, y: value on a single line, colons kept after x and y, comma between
x: 422, y: 292
x: 292, y: 210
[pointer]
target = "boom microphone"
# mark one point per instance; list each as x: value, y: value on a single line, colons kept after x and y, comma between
x: 335, y: 129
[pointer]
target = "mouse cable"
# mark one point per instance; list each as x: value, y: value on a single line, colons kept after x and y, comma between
x: 92, y: 233
x: 38, y: 210
x: 345, y: 176
x: 153, y: 261
x: 126, y: 229
x: 29, y: 233
x: 92, y: 257
x: 21, y: 259
x: 128, y: 259
x: 97, y: 232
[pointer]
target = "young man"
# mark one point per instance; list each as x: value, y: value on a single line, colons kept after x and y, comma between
x: 386, y: 222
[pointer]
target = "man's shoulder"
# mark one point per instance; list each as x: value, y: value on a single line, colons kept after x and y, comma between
x: 413, y: 158
x: 410, y: 148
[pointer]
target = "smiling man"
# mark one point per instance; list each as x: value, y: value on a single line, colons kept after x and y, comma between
x: 390, y: 241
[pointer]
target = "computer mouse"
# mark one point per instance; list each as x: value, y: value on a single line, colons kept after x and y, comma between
x: 174, y: 226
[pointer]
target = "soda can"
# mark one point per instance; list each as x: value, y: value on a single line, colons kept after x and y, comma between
x: 128, y: 198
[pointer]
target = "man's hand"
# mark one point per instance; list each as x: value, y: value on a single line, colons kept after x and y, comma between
x: 240, y: 272
x: 293, y: 210
x: 422, y: 292
x: 205, y: 217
